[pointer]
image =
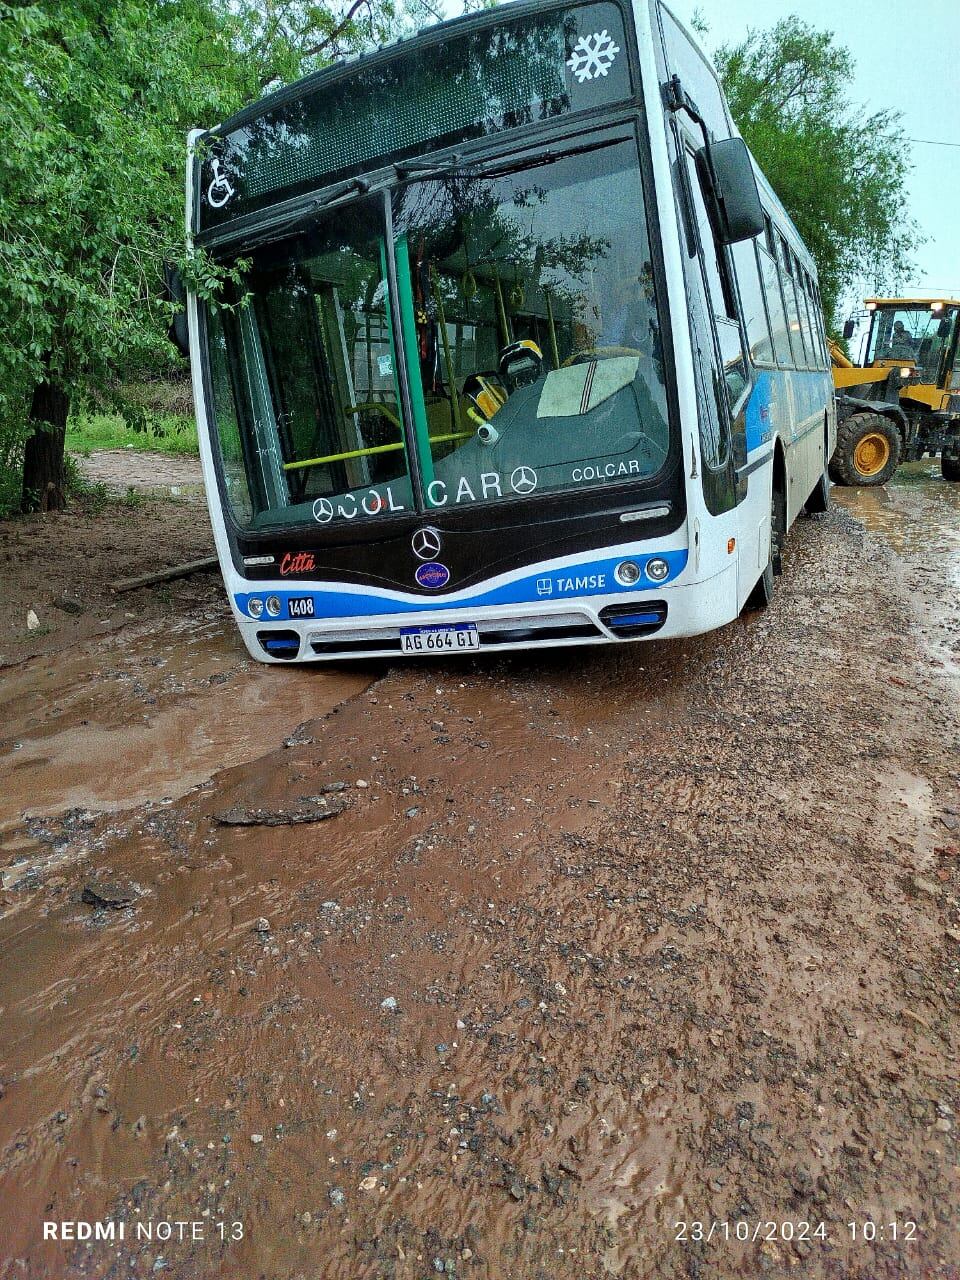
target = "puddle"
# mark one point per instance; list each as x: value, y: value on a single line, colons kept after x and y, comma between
x: 145, y: 715
x: 917, y: 516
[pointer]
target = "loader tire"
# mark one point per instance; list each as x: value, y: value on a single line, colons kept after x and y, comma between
x: 949, y: 467
x: 868, y: 450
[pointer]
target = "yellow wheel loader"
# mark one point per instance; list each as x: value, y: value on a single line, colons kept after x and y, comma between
x: 904, y: 400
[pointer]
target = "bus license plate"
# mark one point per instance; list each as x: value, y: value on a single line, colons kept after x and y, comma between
x: 301, y: 606
x: 452, y: 639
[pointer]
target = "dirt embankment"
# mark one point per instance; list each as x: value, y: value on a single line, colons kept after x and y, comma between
x: 597, y: 944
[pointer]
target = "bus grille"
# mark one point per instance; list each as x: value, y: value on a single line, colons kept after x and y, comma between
x: 492, y: 631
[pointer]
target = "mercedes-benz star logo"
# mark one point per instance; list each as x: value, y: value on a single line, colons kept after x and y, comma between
x: 322, y: 511
x: 426, y: 544
x: 523, y: 480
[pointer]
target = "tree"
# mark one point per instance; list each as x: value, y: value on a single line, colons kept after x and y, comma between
x: 96, y: 97
x: 95, y: 100
x: 841, y: 175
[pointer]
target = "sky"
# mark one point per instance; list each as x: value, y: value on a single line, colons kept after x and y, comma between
x: 907, y: 59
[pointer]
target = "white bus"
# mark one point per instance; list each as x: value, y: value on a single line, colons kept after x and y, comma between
x: 527, y: 352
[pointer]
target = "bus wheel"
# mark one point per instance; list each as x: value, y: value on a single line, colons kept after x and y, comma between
x: 819, y: 499
x: 868, y: 450
x: 762, y: 592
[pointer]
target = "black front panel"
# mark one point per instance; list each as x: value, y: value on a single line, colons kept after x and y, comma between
x: 472, y: 547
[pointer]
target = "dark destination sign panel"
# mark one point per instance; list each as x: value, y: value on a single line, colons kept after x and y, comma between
x: 504, y: 76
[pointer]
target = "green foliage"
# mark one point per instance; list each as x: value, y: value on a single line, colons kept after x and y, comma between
x: 95, y: 99
x: 156, y: 433
x: 840, y: 174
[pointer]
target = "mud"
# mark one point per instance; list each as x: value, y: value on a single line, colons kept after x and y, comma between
x: 602, y: 942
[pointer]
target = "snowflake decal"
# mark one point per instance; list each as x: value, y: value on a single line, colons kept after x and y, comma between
x: 592, y: 56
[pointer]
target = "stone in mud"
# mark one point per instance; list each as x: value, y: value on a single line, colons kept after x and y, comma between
x: 336, y: 1197
x: 238, y: 816
x: 108, y: 894
x: 69, y: 602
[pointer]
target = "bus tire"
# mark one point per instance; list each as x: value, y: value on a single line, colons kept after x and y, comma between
x: 868, y: 450
x: 819, y: 500
x: 763, y: 589
x: 949, y: 467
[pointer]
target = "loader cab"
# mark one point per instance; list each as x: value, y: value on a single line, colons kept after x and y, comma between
x: 918, y: 336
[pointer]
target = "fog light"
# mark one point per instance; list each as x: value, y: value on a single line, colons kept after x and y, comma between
x: 255, y: 607
x: 657, y: 569
x: 627, y: 573
x: 273, y: 606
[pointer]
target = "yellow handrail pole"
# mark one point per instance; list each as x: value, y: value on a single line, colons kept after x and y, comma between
x: 365, y: 453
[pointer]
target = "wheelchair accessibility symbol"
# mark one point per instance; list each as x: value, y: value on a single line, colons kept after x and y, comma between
x: 221, y: 189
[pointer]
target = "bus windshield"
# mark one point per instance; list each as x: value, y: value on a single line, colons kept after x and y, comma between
x: 529, y: 326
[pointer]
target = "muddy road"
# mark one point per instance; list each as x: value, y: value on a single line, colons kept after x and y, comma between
x: 577, y: 952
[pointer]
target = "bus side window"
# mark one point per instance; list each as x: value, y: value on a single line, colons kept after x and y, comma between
x: 818, y: 317
x: 790, y: 298
x: 718, y: 291
x: 753, y: 303
x: 771, y: 288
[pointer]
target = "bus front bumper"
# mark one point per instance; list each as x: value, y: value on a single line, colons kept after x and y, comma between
x: 672, y: 611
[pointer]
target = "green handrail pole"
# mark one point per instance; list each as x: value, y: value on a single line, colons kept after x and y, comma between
x: 408, y: 336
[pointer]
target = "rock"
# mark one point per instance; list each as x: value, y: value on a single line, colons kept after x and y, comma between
x: 69, y: 602
x: 33, y: 622
x: 517, y: 1189
x: 369, y: 1184
x: 943, y: 1125
x: 953, y: 934
x: 878, y: 1157
x: 256, y: 1138
x: 926, y: 886
x: 262, y: 925
x: 238, y: 816
x: 306, y: 1219
x: 362, y: 784
x: 108, y: 894
x: 412, y: 813
x: 389, y: 1005
x: 336, y: 1197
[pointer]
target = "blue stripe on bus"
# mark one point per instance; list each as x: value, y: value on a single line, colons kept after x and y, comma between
x: 787, y: 396
x: 588, y: 579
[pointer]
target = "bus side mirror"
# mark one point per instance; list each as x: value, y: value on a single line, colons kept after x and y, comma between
x: 739, y: 212
x: 178, y: 333
x: 848, y: 329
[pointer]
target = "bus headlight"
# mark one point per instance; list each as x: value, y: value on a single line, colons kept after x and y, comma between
x: 627, y: 573
x: 255, y: 607
x: 657, y: 569
x: 273, y: 606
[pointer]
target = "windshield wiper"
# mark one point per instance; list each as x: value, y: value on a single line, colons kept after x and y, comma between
x: 304, y: 214
x: 455, y: 169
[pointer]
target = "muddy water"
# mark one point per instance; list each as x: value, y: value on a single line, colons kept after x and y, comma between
x: 142, y: 716
x: 647, y: 922
x: 917, y: 515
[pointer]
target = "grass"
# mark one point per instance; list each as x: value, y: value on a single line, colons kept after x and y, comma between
x: 164, y: 433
